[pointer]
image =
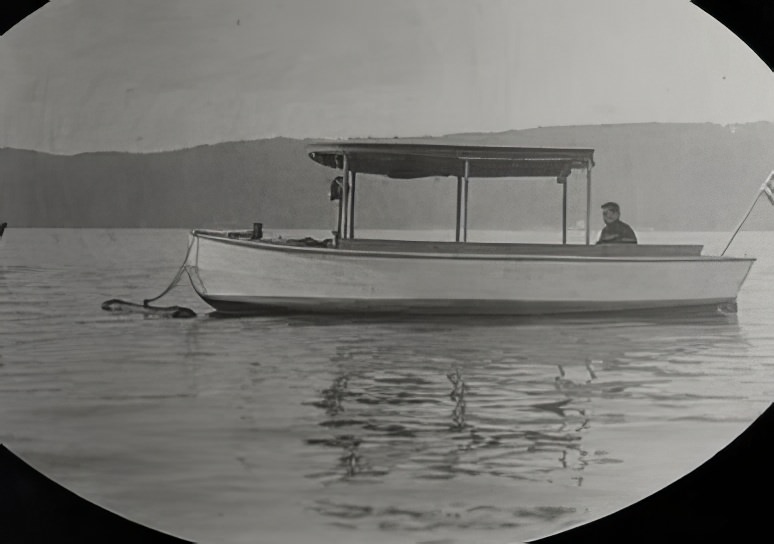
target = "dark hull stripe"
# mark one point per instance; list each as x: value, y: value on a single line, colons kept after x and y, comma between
x: 280, y: 306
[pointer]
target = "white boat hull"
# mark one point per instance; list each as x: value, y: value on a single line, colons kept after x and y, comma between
x: 238, y: 276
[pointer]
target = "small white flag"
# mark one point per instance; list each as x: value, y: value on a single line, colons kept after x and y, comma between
x: 768, y: 187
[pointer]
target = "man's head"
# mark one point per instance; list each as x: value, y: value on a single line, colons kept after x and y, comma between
x: 610, y: 212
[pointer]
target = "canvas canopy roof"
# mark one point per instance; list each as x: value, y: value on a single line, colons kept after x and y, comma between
x: 403, y: 160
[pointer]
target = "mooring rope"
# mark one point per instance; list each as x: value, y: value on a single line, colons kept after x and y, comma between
x: 177, y: 277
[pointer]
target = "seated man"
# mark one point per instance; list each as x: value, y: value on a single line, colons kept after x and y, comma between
x: 615, y: 230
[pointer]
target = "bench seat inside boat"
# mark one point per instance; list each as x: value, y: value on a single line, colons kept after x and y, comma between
x: 603, y: 250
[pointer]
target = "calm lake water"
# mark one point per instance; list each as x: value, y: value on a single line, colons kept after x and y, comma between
x: 313, y: 429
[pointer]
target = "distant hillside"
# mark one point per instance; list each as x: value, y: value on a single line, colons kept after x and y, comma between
x: 665, y: 176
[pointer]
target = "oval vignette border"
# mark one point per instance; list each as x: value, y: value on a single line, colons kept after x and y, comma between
x: 717, y: 499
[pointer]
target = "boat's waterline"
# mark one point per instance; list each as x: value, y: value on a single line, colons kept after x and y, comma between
x: 249, y: 305
x: 256, y: 277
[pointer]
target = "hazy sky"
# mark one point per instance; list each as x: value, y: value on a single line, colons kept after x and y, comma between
x: 145, y: 75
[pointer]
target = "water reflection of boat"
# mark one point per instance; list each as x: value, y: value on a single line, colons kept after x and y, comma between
x: 380, y: 421
x: 444, y: 403
x: 555, y: 410
x: 239, y: 272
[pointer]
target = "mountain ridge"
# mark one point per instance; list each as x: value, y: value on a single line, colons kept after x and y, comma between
x: 666, y: 176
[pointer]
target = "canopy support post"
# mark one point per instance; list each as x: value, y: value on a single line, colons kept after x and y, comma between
x: 588, y: 204
x: 564, y: 211
x: 352, y: 207
x: 345, y: 199
x: 340, y: 220
x: 459, y: 209
x: 467, y: 180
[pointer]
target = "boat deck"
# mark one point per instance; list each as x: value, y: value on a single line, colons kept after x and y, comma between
x: 484, y: 248
x: 476, y: 248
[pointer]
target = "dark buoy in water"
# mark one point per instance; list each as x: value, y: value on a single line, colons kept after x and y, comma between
x: 118, y: 305
x: 2, y: 228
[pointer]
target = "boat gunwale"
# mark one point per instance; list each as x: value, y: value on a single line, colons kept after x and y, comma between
x: 261, y: 244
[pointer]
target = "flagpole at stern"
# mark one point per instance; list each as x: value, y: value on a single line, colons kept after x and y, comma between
x: 768, y: 189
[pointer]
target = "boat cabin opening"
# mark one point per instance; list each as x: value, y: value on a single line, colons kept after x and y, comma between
x: 412, y: 160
